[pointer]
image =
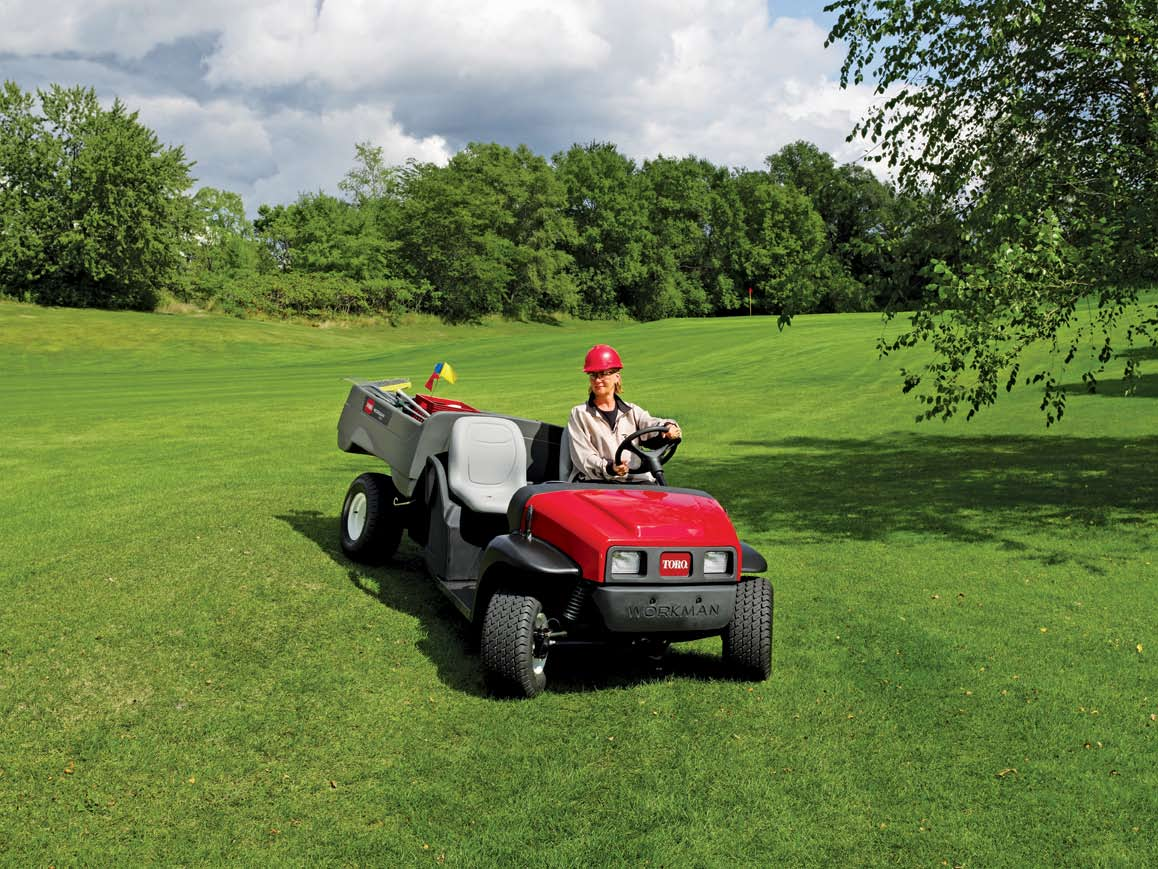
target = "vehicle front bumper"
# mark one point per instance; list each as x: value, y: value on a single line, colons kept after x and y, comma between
x: 664, y: 608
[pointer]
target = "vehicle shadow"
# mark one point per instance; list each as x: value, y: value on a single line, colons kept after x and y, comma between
x: 996, y: 489
x: 402, y: 586
x: 598, y: 667
x: 451, y: 644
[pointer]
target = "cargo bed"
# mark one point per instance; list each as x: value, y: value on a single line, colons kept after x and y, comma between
x: 380, y: 419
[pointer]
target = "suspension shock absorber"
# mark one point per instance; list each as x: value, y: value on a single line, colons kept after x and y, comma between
x: 579, y: 596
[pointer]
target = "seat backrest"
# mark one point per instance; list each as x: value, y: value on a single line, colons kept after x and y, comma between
x: 566, y: 468
x: 487, y: 462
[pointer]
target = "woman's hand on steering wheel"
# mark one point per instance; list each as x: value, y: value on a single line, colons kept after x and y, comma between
x: 652, y: 459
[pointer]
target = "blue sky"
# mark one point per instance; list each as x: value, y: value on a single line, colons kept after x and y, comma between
x: 269, y: 97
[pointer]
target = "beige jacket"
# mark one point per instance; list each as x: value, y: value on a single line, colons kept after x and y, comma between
x: 593, y: 441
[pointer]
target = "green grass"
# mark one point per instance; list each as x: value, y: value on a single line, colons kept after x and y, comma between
x: 190, y: 672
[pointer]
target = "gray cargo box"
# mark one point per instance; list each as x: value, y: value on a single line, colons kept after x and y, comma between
x: 381, y: 420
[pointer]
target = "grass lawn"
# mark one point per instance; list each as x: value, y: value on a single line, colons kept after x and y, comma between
x: 190, y: 672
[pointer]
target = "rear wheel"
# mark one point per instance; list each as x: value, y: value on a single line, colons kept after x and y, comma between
x: 514, y: 645
x: 748, y: 636
x: 371, y: 522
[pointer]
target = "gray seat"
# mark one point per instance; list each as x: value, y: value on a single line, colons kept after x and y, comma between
x: 487, y: 462
x: 566, y: 468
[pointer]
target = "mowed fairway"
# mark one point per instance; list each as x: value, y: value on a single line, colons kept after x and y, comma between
x: 190, y: 672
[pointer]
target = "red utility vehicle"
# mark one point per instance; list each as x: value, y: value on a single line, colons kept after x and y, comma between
x: 536, y: 559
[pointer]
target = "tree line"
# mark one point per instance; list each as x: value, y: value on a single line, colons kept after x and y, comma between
x: 1027, y: 216
x: 96, y: 212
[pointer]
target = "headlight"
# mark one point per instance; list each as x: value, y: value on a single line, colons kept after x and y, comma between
x: 626, y: 562
x: 716, y: 561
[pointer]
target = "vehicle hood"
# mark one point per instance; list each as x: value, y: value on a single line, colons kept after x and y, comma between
x: 585, y: 523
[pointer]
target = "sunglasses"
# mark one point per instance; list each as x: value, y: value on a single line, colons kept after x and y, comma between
x: 600, y: 375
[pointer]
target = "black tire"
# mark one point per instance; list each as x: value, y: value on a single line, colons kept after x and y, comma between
x: 371, y: 525
x: 748, y: 636
x: 514, y: 645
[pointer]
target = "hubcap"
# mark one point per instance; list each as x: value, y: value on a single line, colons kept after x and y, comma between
x: 541, y: 644
x: 356, y: 517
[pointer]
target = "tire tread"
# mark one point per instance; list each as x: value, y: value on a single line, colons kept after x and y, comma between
x: 383, y: 531
x: 507, y: 645
x: 748, y: 637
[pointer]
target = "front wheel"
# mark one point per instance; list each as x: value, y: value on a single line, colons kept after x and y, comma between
x: 371, y: 522
x: 515, y: 641
x: 748, y: 636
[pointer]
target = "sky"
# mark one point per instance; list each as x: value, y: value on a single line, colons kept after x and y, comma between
x: 269, y: 97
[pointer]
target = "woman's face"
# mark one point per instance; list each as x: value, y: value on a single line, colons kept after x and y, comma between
x: 603, y: 382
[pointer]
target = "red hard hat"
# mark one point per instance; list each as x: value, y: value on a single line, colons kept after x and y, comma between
x: 600, y: 358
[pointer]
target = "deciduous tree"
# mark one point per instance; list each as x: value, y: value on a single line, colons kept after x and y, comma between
x: 488, y: 232
x: 93, y: 207
x: 1036, y: 125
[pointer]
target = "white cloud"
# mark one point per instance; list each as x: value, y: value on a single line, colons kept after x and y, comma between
x: 352, y: 44
x: 737, y: 90
x: 270, y: 96
x: 123, y: 28
x: 272, y: 158
x: 314, y: 151
x: 228, y: 140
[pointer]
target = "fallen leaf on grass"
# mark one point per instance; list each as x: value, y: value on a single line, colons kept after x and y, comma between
x: 1007, y: 772
x: 69, y: 770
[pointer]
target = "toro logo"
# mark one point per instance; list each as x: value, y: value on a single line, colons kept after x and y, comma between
x: 368, y: 407
x: 675, y: 564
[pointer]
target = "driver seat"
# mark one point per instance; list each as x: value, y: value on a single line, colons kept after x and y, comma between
x: 566, y: 467
x: 569, y: 474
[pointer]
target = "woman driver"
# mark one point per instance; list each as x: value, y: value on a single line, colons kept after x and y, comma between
x: 599, y: 425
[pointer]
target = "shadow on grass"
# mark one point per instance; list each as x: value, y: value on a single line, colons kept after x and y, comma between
x: 451, y: 643
x: 974, y: 490
x: 1144, y: 386
x: 402, y: 586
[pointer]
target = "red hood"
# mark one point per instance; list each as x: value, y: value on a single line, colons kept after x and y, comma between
x: 584, y: 523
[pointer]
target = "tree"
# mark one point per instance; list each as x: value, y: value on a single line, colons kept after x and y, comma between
x: 223, y: 240
x: 601, y: 189
x: 859, y: 220
x: 694, y: 221
x: 371, y: 179
x: 92, y: 205
x: 320, y: 233
x: 1037, y: 126
x: 488, y: 232
x: 783, y: 251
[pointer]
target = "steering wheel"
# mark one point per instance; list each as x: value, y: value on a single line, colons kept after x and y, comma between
x: 652, y: 459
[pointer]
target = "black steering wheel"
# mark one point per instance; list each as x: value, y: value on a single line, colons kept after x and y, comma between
x: 652, y: 459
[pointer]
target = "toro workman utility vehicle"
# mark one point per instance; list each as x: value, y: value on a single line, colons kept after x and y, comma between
x: 535, y: 559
